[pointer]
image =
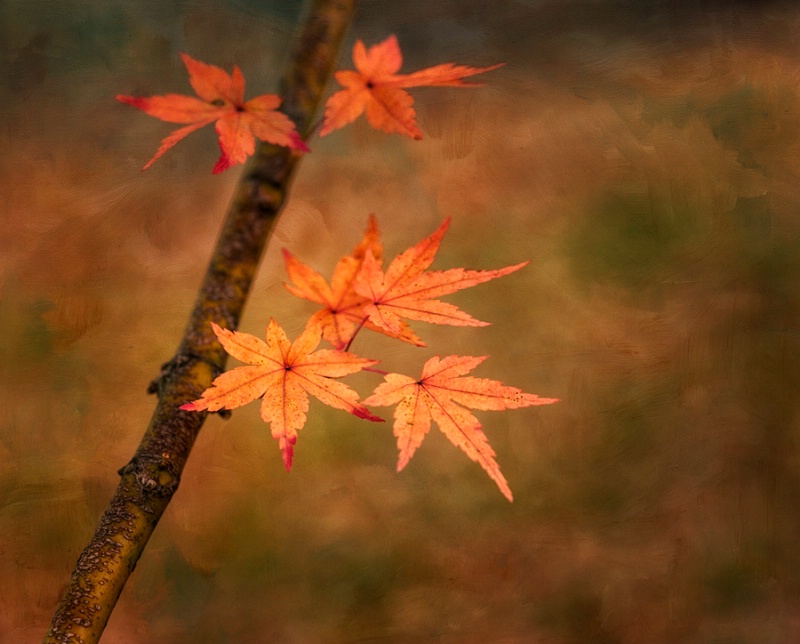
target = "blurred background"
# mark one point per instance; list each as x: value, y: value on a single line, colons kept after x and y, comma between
x: 643, y: 155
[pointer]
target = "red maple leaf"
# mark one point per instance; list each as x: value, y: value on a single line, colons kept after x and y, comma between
x: 406, y: 290
x: 442, y: 395
x: 377, y: 89
x: 284, y: 374
x: 239, y: 122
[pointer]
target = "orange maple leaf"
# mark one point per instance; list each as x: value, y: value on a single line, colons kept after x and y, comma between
x: 284, y: 374
x: 341, y: 316
x: 239, y: 122
x: 442, y: 395
x: 376, y: 88
x: 407, y: 291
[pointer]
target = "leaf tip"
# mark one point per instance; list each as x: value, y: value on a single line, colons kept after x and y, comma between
x: 513, y: 268
x: 222, y: 164
x: 366, y: 414
x: 297, y: 143
x: 287, y: 448
x: 546, y: 401
x: 134, y: 101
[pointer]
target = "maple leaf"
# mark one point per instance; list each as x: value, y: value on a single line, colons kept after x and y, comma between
x: 442, y: 395
x: 341, y: 316
x: 377, y: 89
x: 284, y: 374
x: 406, y: 290
x: 239, y: 122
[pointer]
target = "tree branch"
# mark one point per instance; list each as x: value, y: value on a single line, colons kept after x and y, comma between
x: 152, y: 476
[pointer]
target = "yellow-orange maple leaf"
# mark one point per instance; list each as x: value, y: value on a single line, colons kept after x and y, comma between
x: 442, y: 394
x: 375, y: 88
x: 239, y: 122
x: 406, y: 290
x: 284, y: 374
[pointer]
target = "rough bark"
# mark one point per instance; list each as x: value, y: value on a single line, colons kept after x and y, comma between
x: 151, y: 478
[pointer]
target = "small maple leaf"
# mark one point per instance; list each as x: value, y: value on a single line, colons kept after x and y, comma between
x: 442, y: 395
x: 239, y: 122
x: 341, y: 316
x: 377, y: 89
x: 407, y: 291
x: 284, y: 374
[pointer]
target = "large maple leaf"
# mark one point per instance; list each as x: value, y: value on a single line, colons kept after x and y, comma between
x: 406, y: 290
x: 284, y: 374
x: 377, y: 89
x: 442, y: 395
x: 239, y: 122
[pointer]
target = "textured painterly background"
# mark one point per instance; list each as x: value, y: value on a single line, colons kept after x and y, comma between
x: 645, y: 157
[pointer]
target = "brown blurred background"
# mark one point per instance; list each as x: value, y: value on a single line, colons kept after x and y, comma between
x: 643, y: 155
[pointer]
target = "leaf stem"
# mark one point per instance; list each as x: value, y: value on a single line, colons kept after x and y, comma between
x: 380, y: 372
x: 355, y: 333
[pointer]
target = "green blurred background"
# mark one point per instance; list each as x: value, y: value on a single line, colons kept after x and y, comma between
x: 643, y: 155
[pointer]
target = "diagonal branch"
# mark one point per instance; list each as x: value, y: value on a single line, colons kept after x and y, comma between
x: 152, y: 476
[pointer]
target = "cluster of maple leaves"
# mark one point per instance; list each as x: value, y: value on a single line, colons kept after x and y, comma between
x: 360, y: 294
x: 375, y: 89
